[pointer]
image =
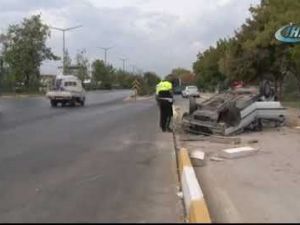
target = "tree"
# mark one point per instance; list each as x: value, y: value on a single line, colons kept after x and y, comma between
x: 253, y: 54
x: 207, y: 69
x: 25, y: 49
x: 149, y: 82
x: 82, y: 65
x: 151, y: 79
x: 103, y: 73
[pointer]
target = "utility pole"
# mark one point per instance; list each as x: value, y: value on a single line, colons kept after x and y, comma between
x: 133, y: 68
x: 124, y: 62
x: 64, y: 44
x: 105, y: 53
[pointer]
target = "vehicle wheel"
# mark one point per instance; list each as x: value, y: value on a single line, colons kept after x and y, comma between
x: 193, y: 105
x: 53, y: 103
x: 73, y: 103
x: 265, y: 89
x: 82, y: 102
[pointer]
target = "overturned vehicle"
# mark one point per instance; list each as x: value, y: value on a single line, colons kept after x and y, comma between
x: 234, y: 111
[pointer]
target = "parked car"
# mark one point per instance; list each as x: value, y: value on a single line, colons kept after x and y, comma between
x: 67, y: 90
x: 190, y: 91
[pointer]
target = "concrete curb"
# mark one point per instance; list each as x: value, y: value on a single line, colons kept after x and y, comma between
x: 194, y: 202
x: 195, y: 205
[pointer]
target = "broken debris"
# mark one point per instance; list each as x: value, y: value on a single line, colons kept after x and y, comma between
x: 198, y: 158
x: 232, y: 153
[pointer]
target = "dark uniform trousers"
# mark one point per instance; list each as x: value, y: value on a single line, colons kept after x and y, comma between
x: 166, y: 111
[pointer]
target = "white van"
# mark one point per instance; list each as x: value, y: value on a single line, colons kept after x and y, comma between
x: 67, y: 90
x: 190, y: 91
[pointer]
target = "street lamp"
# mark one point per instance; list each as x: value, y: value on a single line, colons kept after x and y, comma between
x: 64, y: 48
x: 105, y: 53
x: 133, y: 68
x: 124, y: 61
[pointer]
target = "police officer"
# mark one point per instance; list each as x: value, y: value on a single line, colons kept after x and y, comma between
x: 164, y: 97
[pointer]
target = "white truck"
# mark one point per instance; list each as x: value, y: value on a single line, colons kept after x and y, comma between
x: 67, y: 90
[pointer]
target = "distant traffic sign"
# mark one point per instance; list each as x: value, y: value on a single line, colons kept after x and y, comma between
x: 136, y: 86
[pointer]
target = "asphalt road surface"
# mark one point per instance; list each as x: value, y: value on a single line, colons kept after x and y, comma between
x: 105, y: 162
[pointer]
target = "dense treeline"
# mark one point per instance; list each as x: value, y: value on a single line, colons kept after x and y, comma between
x: 253, y: 53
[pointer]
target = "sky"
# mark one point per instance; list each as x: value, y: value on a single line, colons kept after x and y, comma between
x: 154, y: 35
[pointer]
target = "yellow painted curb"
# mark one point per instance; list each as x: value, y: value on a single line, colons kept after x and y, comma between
x: 184, y: 160
x: 199, y: 212
x: 196, y: 208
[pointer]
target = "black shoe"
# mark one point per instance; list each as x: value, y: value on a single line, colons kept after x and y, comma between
x: 169, y: 130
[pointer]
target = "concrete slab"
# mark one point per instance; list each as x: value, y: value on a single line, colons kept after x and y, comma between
x: 197, y: 158
x: 216, y: 159
x: 232, y: 153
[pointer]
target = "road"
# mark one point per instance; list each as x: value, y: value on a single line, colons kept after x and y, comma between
x: 262, y: 188
x: 106, y: 162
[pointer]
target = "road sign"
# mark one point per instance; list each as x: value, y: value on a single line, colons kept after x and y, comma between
x: 136, y: 86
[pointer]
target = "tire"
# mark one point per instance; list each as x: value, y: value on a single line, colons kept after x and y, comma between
x: 53, y: 103
x: 265, y: 89
x: 193, y: 105
x: 82, y: 102
x: 73, y: 102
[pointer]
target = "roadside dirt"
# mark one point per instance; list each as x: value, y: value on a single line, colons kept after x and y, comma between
x: 293, y: 119
x: 257, y: 188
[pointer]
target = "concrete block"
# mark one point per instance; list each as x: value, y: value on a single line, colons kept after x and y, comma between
x: 225, y: 140
x: 232, y: 153
x: 197, y: 158
x: 216, y: 159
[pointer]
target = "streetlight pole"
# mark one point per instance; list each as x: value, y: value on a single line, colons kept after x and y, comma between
x: 63, y: 30
x: 105, y: 53
x: 124, y: 61
x: 133, y: 68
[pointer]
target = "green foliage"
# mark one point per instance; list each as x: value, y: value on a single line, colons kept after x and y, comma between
x: 207, y: 68
x: 186, y: 77
x: 253, y: 53
x: 24, y: 51
x: 103, y: 74
x: 151, y: 79
x: 148, y: 83
x: 82, y: 64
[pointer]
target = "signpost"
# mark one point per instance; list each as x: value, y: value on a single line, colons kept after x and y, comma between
x: 136, y: 86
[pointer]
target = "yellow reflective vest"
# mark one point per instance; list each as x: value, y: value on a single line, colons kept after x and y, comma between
x: 164, y: 86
